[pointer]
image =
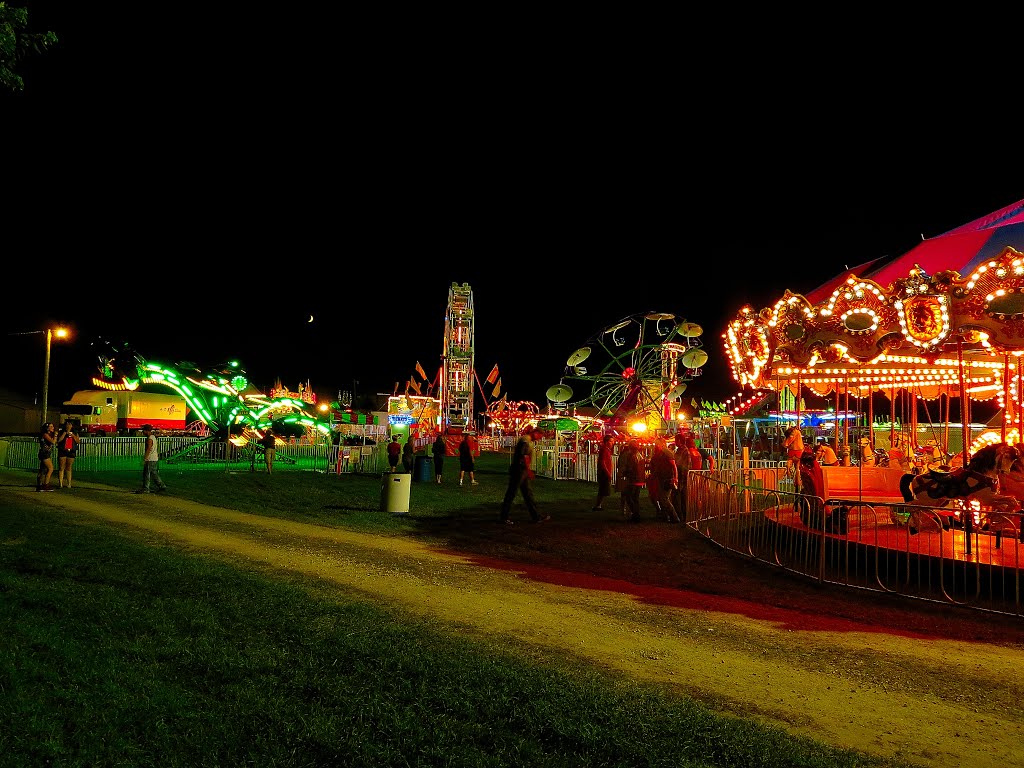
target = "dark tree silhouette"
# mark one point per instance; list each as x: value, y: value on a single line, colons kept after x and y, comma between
x: 16, y: 43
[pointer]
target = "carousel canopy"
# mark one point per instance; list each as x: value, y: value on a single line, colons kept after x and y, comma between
x: 947, y: 314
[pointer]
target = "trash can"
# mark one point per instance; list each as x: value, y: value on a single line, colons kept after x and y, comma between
x: 394, y: 492
x: 423, y: 472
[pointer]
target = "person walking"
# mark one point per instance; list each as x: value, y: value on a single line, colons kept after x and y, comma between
x: 47, y: 439
x: 687, y: 457
x: 520, y: 480
x: 605, y: 467
x: 633, y: 474
x: 151, y: 462
x: 394, y: 453
x: 269, y: 443
x: 466, y: 463
x: 67, y: 451
x: 663, y: 480
x: 439, y: 449
x: 681, y: 455
x: 409, y: 455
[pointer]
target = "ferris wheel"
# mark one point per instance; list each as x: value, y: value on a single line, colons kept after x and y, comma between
x: 456, y: 384
x: 634, y: 370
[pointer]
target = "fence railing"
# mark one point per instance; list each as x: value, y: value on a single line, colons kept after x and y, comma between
x: 751, y: 512
x: 99, y: 454
x: 107, y: 454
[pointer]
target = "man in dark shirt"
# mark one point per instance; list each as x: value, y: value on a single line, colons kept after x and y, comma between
x: 520, y: 480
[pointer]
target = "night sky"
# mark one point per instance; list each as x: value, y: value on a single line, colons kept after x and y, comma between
x: 199, y: 191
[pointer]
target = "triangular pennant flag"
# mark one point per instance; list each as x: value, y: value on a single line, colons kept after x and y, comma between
x: 420, y: 371
x: 416, y: 386
x: 497, y: 387
x: 407, y: 385
x: 493, y: 375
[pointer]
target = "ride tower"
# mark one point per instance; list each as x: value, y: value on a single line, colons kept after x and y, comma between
x: 457, y: 360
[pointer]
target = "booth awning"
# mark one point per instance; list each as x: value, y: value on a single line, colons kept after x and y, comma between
x: 351, y: 417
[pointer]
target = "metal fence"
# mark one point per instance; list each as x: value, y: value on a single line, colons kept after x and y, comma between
x: 106, y: 454
x: 755, y: 513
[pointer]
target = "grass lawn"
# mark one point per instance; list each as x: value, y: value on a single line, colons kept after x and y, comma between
x: 120, y: 650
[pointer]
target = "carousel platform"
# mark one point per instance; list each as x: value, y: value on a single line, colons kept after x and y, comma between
x: 887, y: 526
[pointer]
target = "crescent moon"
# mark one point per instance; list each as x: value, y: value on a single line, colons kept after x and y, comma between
x: 310, y: 319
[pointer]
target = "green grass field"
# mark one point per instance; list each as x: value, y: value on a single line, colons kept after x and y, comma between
x: 117, y: 652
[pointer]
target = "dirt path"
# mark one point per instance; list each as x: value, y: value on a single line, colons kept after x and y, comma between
x: 928, y: 702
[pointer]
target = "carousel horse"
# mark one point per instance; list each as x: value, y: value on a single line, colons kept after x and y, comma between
x: 978, y: 482
x: 1011, y: 483
x: 928, y: 458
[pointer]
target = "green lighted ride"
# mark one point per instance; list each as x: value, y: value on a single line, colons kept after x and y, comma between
x: 221, y: 396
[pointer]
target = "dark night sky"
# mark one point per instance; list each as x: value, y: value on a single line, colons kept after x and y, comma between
x: 199, y: 191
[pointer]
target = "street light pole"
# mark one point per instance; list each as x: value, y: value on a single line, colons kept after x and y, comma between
x: 60, y: 333
x: 46, y: 373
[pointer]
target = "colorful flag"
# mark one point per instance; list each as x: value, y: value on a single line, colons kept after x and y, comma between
x: 693, y: 402
x: 493, y: 375
x: 416, y: 386
x: 395, y: 393
x: 420, y: 371
x: 497, y: 388
x: 407, y: 385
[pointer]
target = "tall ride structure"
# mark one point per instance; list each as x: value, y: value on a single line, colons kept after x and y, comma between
x: 457, y: 373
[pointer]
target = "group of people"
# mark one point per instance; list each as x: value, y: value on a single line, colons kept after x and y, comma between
x: 66, y: 445
x: 663, y: 474
x: 823, y: 453
x: 406, y: 455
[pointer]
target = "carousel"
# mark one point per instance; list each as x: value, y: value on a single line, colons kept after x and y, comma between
x: 937, y: 331
x: 942, y: 323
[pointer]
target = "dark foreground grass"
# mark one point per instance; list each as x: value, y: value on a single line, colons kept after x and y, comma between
x: 115, y: 653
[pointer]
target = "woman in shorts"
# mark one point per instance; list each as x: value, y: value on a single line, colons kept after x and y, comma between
x: 67, y: 452
x: 47, y: 439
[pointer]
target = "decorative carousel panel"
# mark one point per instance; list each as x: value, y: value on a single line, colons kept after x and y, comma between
x: 747, y: 346
x: 924, y: 319
x: 789, y: 318
x: 792, y: 322
x: 820, y: 388
x: 991, y: 302
x: 859, y: 307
